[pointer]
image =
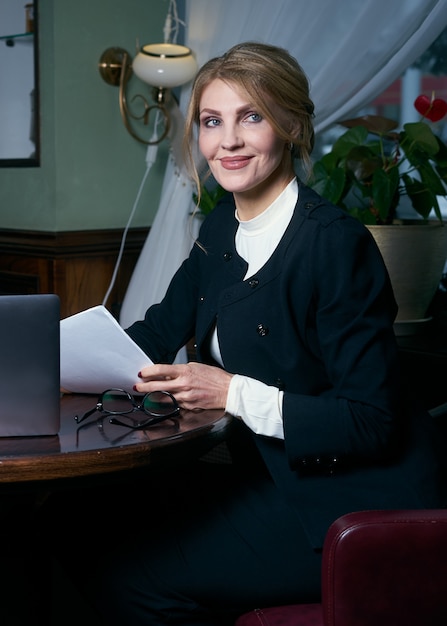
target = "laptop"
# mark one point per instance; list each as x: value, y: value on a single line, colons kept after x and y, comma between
x: 29, y: 365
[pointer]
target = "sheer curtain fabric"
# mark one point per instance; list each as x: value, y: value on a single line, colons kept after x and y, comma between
x: 350, y: 50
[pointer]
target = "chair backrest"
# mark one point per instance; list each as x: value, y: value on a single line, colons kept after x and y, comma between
x: 386, y: 568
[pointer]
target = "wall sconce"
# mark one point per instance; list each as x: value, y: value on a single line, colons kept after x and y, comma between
x: 161, y: 65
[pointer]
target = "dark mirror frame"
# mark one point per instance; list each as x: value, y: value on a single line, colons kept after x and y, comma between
x: 35, y: 160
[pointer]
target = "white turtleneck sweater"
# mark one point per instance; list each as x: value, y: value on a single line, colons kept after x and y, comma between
x: 257, y: 404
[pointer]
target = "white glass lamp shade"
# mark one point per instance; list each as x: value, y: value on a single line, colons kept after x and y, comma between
x: 165, y: 65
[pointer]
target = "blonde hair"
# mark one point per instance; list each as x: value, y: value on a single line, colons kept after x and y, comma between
x: 268, y: 74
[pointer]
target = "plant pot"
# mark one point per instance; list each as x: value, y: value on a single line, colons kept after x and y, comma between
x: 415, y: 255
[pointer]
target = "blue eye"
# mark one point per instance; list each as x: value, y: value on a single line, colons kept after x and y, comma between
x: 254, y: 117
x: 211, y: 122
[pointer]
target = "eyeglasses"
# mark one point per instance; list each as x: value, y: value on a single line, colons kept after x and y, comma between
x: 159, y: 405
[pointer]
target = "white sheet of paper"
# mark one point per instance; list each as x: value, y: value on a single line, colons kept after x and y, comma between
x: 97, y: 354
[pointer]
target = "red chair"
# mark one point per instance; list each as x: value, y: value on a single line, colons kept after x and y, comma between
x: 380, y: 568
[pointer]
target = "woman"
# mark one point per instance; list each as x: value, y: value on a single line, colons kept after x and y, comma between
x: 292, y: 311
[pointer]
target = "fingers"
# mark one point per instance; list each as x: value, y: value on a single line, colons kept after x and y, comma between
x: 160, y: 371
x: 194, y: 385
x: 160, y: 377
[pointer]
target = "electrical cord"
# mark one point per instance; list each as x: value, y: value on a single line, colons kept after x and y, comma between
x: 151, y: 155
x: 170, y: 33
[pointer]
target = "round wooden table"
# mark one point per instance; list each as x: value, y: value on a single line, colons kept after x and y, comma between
x: 97, y: 448
x: 92, y: 453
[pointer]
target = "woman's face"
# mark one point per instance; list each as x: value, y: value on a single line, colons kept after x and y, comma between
x: 244, y: 153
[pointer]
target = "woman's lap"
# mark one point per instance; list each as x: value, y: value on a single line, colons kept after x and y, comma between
x: 207, y: 548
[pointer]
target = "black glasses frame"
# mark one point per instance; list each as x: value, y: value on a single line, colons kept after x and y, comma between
x: 154, y: 418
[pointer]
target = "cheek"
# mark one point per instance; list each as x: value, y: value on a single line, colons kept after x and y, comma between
x: 277, y: 149
x: 271, y: 147
x: 277, y: 154
x: 205, y: 144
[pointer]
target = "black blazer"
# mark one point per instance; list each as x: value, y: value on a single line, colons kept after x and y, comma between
x: 317, y: 322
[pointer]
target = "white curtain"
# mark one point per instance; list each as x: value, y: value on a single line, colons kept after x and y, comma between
x: 350, y: 50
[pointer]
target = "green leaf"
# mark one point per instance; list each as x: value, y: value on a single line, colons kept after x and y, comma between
x: 431, y: 179
x: 363, y: 215
x: 373, y: 123
x: 384, y: 186
x: 329, y: 184
x: 329, y: 161
x: 209, y: 198
x: 353, y: 137
x: 363, y: 162
x: 420, y: 137
x: 440, y: 160
x: 422, y: 199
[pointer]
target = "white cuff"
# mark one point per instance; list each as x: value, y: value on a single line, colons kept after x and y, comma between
x: 257, y: 404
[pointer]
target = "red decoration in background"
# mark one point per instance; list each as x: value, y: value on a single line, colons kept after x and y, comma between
x: 433, y: 109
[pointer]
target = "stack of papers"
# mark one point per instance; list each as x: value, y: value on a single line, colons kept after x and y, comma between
x: 97, y: 354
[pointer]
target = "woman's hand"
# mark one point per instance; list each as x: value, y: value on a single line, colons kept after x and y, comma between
x: 194, y: 385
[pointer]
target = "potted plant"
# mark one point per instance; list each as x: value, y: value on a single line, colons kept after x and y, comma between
x: 368, y: 172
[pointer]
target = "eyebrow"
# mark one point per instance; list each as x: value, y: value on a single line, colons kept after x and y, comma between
x: 209, y: 111
x: 242, y: 109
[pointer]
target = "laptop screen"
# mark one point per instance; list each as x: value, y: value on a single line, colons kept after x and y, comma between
x: 29, y: 365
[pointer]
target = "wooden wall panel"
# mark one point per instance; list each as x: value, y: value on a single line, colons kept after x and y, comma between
x: 77, y: 266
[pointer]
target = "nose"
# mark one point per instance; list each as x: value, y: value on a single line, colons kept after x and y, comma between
x: 232, y: 137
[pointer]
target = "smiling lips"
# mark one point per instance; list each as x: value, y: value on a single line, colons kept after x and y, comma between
x: 234, y: 162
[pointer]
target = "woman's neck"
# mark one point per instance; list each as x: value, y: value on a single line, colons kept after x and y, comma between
x: 253, y: 202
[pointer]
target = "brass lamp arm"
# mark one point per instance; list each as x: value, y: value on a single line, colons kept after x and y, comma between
x: 125, y: 111
x: 115, y: 70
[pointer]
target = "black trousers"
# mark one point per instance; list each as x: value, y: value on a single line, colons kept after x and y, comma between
x: 195, y: 546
